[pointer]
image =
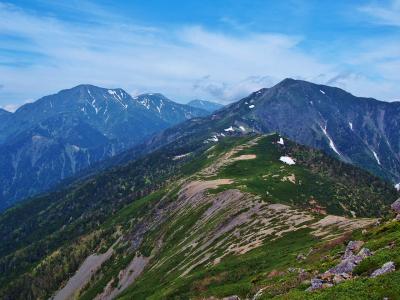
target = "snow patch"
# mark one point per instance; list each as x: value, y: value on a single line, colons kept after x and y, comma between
x: 376, y: 157
x: 75, y: 148
x: 145, y: 102
x: 181, y: 156
x: 287, y: 160
x: 159, y: 107
x: 117, y: 97
x: 214, y: 138
x: 229, y: 129
x: 322, y: 92
x: 281, y: 142
x: 351, y: 125
x: 331, y: 143
x: 242, y: 128
x: 94, y: 106
x: 251, y: 106
x: 397, y: 186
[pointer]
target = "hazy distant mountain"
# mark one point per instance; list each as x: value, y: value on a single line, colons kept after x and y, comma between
x: 4, y: 115
x: 207, y: 105
x: 58, y: 135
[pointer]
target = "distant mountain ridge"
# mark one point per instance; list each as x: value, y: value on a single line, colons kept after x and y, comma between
x: 361, y: 131
x: 207, y: 105
x: 58, y: 135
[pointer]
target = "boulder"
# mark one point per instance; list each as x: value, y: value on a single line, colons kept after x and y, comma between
x: 234, y: 297
x: 317, y: 284
x: 347, y: 265
x: 364, y: 253
x: 386, y: 268
x: 352, y: 248
x: 396, y: 206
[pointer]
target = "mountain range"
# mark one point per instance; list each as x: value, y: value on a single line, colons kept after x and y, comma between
x: 59, y: 135
x: 287, y: 193
x: 361, y: 131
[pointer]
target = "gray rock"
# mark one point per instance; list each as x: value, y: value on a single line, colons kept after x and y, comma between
x: 234, y: 297
x: 386, y: 268
x: 352, y: 248
x: 316, y: 284
x: 347, y: 265
x: 396, y: 206
x: 364, y: 253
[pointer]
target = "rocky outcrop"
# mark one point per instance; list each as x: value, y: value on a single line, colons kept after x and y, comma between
x: 352, y: 247
x: 386, y: 268
x: 396, y: 207
x: 343, y: 270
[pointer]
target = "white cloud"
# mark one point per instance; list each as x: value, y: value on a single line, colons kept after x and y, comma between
x: 11, y: 107
x: 184, y: 63
x: 384, y: 14
x: 136, y: 58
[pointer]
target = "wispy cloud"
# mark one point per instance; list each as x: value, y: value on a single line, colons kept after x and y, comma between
x: 183, y: 62
x: 388, y: 14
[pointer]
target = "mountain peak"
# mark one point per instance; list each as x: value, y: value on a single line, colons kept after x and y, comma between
x: 204, y: 104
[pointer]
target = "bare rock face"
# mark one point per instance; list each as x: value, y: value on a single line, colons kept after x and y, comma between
x: 396, y: 206
x: 386, y: 268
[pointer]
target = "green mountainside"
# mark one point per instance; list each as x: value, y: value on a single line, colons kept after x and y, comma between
x: 201, y: 219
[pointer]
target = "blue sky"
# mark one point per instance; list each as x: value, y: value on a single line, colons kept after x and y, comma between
x: 219, y: 50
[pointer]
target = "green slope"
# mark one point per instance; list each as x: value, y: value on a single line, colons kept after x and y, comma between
x: 150, y: 208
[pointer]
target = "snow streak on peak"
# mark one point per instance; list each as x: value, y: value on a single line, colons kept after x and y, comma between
x: 331, y: 143
x: 376, y: 157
